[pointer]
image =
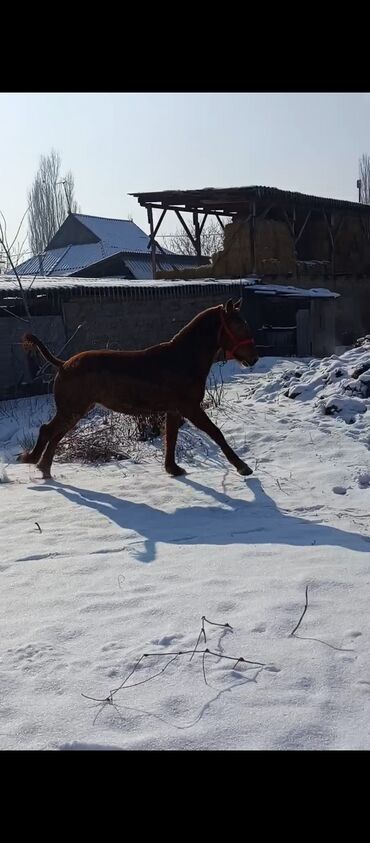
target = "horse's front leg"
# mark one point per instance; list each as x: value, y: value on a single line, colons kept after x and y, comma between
x: 201, y: 420
x: 172, y: 426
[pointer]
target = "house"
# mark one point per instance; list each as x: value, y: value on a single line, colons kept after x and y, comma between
x: 88, y: 246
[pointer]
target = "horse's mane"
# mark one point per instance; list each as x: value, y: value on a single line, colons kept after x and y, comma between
x: 197, y: 322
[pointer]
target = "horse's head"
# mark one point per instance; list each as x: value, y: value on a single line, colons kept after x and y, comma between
x: 234, y: 335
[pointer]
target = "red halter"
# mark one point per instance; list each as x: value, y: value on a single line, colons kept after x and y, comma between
x: 234, y: 340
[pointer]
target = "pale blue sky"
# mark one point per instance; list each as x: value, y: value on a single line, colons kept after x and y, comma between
x: 120, y: 143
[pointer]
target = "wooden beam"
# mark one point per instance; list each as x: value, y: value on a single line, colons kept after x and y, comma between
x: 183, y: 223
x: 202, y: 223
x: 299, y: 235
x: 201, y: 209
x: 220, y: 221
x: 150, y: 219
x: 265, y: 212
x: 290, y: 225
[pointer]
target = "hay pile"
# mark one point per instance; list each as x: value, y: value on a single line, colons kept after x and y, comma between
x: 314, y: 244
x: 274, y: 247
x: 351, y: 254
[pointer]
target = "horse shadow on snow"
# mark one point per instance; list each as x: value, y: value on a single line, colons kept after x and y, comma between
x: 228, y: 521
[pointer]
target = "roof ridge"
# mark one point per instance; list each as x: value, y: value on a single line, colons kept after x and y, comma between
x: 110, y: 219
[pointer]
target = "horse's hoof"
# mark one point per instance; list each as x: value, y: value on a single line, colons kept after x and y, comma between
x: 25, y: 457
x: 45, y: 472
x: 245, y: 470
x: 175, y: 470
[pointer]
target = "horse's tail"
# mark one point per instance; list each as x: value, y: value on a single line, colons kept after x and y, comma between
x: 30, y: 343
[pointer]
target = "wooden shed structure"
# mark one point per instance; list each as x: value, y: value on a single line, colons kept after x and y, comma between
x: 283, y: 237
x: 280, y: 227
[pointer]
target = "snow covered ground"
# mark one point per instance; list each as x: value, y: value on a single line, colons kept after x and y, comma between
x: 105, y: 563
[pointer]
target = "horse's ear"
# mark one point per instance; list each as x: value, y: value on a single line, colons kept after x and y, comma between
x: 238, y: 304
x: 229, y: 307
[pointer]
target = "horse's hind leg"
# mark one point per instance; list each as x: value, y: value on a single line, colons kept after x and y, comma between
x: 201, y: 420
x: 46, y: 432
x: 172, y: 426
x: 63, y: 427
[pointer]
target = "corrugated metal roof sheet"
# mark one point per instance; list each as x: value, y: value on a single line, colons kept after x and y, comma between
x: 141, y: 267
x: 42, y: 264
x: 232, y: 198
x: 67, y: 260
x: 124, y: 234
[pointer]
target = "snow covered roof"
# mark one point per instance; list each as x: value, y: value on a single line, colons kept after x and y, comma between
x: 253, y: 284
x: 105, y: 238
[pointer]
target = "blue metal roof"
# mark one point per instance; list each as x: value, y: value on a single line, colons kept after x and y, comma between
x: 67, y: 260
x: 43, y: 264
x: 115, y: 237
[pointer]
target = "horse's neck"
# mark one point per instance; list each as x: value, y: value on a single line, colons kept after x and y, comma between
x: 199, y: 342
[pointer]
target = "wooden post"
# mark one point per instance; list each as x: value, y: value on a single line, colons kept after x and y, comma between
x: 252, y: 227
x: 150, y: 219
x: 152, y: 237
x: 197, y: 235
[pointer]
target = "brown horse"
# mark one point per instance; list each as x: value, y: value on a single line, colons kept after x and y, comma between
x: 169, y: 377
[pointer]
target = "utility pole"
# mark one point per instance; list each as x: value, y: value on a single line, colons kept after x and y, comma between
x: 66, y: 194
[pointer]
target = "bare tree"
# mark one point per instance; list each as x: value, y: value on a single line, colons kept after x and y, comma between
x: 211, y: 240
x: 12, y: 252
x: 364, y: 178
x: 50, y: 200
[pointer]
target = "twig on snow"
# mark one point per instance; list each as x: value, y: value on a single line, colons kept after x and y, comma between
x: 174, y: 655
x: 303, y: 613
x: 309, y: 637
x: 202, y: 631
